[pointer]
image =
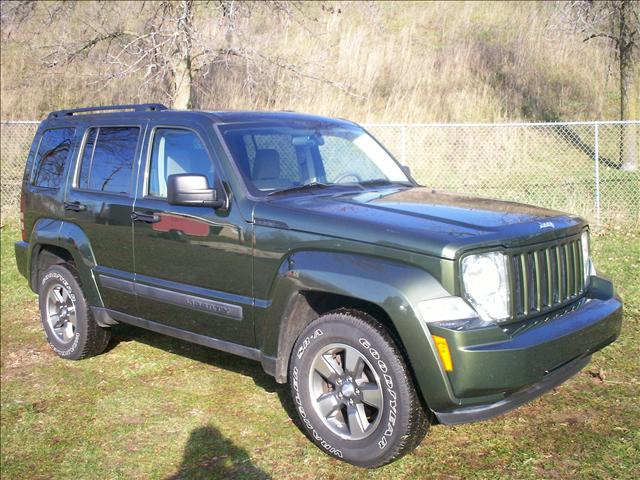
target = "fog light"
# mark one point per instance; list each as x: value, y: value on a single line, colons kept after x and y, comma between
x: 443, y: 351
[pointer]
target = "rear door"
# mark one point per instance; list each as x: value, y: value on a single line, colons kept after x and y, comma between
x: 100, y: 202
x: 193, y: 264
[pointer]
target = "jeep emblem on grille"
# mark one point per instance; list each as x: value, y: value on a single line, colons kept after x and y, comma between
x: 546, y: 225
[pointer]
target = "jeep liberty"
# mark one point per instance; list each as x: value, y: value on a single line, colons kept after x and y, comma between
x: 300, y: 242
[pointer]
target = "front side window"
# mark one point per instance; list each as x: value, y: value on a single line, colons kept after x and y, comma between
x: 108, y: 158
x: 279, y: 156
x: 174, y: 151
x: 52, y: 157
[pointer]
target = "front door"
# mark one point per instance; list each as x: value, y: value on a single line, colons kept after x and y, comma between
x: 193, y: 264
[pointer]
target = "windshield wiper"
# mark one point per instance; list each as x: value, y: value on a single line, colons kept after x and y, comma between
x: 381, y: 182
x: 301, y: 188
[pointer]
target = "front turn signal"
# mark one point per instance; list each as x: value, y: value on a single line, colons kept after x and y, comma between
x: 443, y: 351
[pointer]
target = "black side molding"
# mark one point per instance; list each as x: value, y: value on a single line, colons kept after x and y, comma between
x: 108, y: 318
x: 229, y: 347
x: 193, y: 302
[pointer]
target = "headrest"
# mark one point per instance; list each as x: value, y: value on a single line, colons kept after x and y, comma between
x: 266, y: 165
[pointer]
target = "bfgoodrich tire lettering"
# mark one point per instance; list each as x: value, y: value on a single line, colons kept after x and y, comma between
x: 71, y: 330
x: 353, y: 392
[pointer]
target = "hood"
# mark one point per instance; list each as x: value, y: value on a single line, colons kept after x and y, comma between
x: 417, y: 219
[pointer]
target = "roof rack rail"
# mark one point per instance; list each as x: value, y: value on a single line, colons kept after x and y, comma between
x: 141, y: 107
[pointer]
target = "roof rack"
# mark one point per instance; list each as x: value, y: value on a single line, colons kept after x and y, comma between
x: 141, y: 107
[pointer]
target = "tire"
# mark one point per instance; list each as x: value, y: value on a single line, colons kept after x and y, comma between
x: 71, y: 330
x: 369, y: 414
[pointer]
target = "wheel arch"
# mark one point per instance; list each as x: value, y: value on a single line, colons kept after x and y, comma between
x: 313, y: 283
x: 54, y: 242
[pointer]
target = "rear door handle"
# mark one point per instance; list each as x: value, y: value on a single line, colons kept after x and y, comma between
x: 145, y: 217
x: 75, y: 206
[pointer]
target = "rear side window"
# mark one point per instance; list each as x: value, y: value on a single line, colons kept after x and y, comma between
x: 107, y: 159
x: 52, y: 157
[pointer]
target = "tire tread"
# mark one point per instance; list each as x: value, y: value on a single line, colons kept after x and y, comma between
x: 97, y: 337
x: 419, y: 419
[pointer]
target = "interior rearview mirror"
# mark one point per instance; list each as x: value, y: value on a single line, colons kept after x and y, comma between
x: 193, y: 190
x: 307, y: 140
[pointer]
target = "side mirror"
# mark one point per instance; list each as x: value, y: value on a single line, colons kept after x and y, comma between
x: 407, y: 170
x: 192, y: 190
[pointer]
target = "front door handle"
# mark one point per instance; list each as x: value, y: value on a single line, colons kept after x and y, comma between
x: 145, y: 217
x: 75, y: 206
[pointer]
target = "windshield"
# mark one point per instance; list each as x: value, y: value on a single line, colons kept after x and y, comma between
x: 279, y: 156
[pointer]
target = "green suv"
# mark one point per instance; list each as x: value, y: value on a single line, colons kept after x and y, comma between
x: 298, y: 241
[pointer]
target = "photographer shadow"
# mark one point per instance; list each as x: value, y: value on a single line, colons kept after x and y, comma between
x: 209, y: 455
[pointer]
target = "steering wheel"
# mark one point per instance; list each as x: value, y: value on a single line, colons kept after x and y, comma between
x: 347, y: 175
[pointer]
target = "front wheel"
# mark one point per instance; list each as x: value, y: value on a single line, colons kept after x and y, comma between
x: 353, y: 392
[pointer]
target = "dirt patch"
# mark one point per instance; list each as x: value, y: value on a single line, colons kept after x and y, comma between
x: 25, y: 357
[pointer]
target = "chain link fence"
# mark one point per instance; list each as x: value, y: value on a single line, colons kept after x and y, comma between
x: 585, y: 168
x: 580, y: 167
x: 15, y: 141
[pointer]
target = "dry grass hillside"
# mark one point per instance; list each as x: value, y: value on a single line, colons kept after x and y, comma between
x: 373, y: 62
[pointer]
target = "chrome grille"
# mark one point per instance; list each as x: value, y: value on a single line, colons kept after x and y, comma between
x: 547, y: 277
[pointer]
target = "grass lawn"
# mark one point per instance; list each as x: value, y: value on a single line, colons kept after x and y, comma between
x: 155, y: 407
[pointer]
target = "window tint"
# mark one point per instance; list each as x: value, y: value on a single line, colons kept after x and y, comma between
x: 176, y: 151
x: 107, y: 159
x: 52, y: 157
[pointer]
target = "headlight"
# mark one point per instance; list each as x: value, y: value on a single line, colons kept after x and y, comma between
x: 486, y: 285
x: 587, y: 265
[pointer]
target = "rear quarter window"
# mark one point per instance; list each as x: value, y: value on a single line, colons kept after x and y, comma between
x: 52, y: 157
x: 107, y: 159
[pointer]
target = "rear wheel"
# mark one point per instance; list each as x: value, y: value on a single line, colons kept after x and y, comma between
x: 353, y: 391
x: 71, y: 330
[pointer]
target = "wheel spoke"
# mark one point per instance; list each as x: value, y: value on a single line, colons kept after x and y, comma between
x: 328, y: 403
x: 357, y: 420
x: 58, y: 295
x: 327, y: 366
x: 68, y: 330
x: 353, y: 363
x: 371, y: 395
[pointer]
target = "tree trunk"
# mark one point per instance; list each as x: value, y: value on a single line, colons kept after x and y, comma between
x: 183, y: 86
x: 181, y: 64
x: 628, y: 133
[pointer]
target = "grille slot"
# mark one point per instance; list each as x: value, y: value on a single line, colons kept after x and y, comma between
x: 546, y: 278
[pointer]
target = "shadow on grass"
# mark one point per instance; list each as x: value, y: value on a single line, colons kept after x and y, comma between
x: 208, y: 454
x: 215, y: 358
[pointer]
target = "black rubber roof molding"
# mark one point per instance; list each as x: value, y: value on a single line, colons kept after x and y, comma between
x: 141, y: 107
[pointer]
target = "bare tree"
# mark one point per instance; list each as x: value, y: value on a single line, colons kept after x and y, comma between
x: 162, y: 46
x: 618, y: 22
x: 167, y: 44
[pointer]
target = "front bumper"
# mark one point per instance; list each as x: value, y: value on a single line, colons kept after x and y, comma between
x: 484, y: 411
x: 496, y: 370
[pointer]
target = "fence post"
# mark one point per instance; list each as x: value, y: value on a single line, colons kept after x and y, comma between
x: 403, y: 146
x: 597, y: 171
